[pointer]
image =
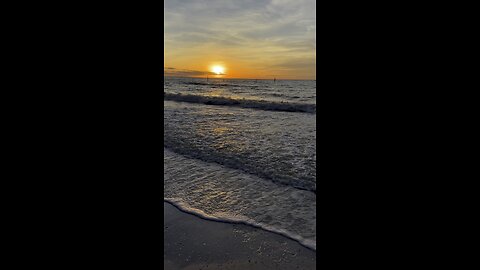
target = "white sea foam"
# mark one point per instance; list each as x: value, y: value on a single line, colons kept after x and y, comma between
x: 218, y: 193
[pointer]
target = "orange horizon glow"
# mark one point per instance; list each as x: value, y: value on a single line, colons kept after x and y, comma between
x: 235, y: 70
x: 220, y: 71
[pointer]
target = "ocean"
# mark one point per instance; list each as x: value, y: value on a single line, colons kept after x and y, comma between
x: 243, y: 151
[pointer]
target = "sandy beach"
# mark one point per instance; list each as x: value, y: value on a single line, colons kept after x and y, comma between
x: 191, y: 242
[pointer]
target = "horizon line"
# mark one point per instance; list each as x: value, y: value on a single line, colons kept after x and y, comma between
x: 278, y: 79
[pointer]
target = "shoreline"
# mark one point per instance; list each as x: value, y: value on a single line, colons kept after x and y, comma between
x: 192, y: 242
x: 243, y: 223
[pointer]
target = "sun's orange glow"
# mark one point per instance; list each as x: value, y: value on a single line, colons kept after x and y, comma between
x: 219, y: 70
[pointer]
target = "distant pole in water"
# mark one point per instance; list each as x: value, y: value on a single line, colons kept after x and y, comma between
x: 207, y: 78
x: 274, y: 79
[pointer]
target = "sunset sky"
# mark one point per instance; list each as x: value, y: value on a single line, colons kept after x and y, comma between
x: 258, y: 39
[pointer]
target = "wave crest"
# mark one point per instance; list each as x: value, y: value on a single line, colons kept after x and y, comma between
x: 244, y: 103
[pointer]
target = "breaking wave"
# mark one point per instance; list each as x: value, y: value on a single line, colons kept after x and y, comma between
x: 244, y: 103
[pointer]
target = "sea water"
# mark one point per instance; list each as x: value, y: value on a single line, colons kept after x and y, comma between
x: 243, y: 151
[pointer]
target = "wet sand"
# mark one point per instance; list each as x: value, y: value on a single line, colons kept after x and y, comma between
x: 191, y: 242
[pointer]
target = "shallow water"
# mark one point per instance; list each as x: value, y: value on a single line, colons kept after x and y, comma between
x: 243, y: 163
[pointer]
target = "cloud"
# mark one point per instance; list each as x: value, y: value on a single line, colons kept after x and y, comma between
x: 257, y: 33
x: 170, y: 71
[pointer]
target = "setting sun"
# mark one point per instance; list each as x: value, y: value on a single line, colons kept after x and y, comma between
x: 219, y: 70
